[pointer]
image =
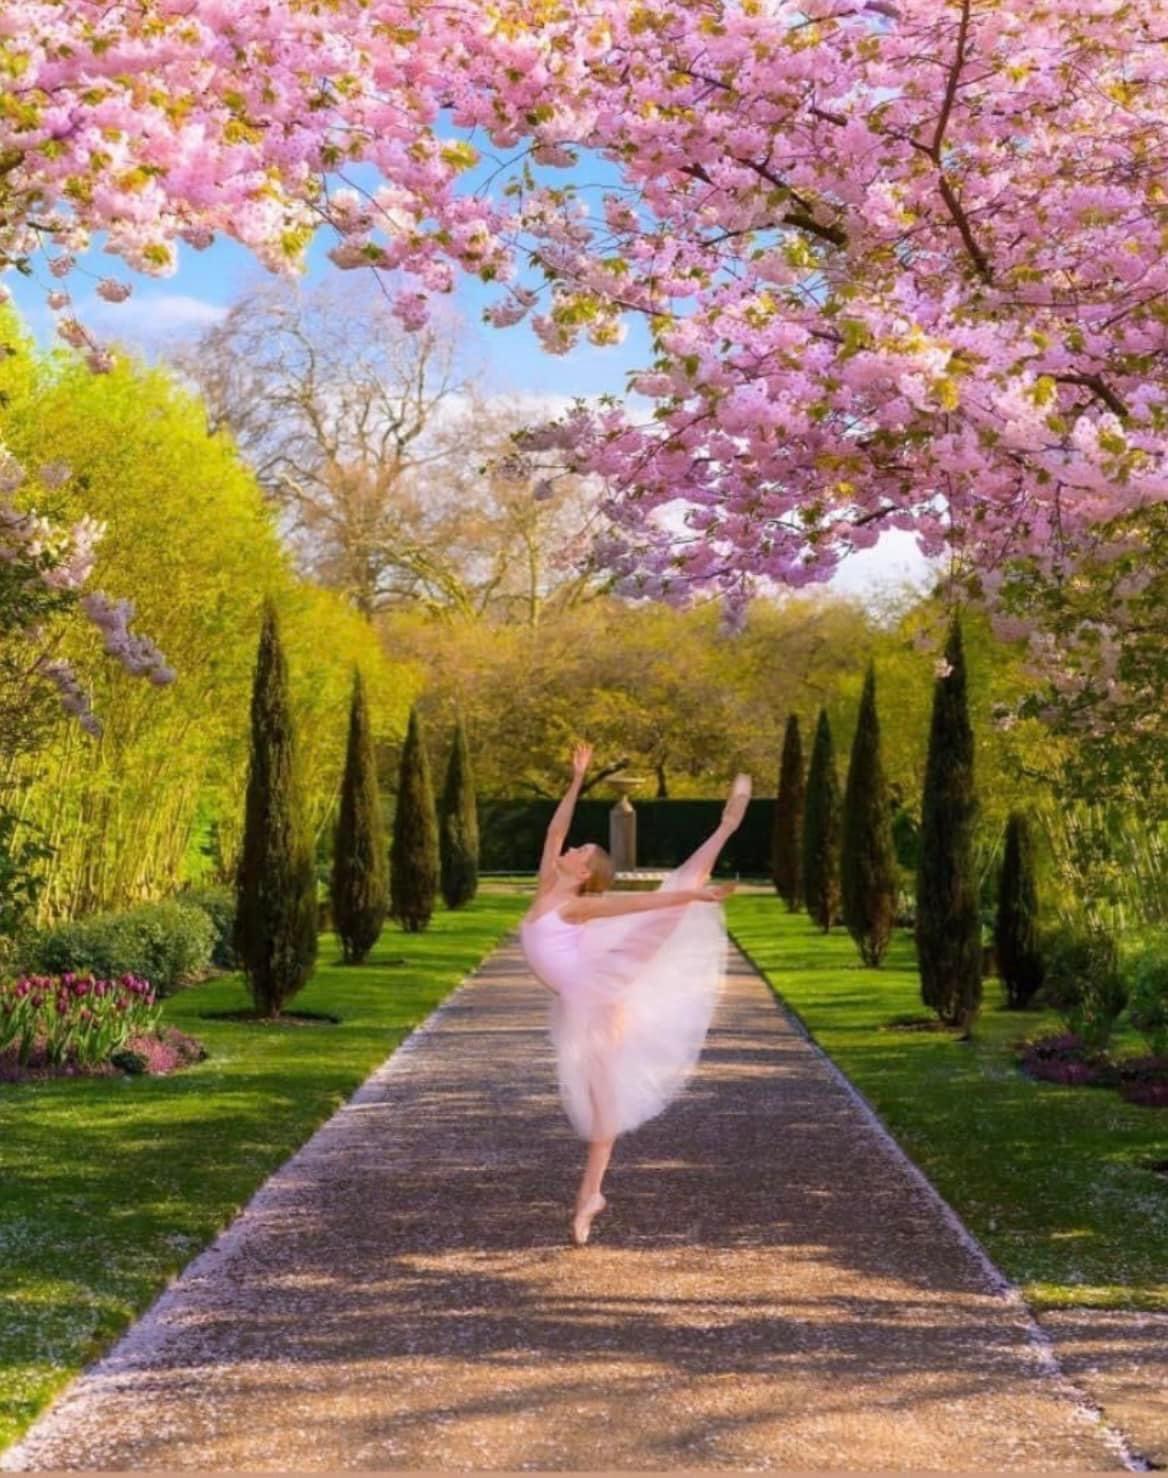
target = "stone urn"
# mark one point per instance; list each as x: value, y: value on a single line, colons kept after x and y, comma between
x: 622, y: 824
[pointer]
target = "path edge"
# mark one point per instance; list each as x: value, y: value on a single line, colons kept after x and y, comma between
x: 1002, y: 1286
x: 148, y: 1328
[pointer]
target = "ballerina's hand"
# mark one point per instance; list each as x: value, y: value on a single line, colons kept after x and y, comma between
x: 715, y: 892
x: 581, y: 758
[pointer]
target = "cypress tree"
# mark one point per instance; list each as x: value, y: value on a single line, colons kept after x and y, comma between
x: 458, y: 828
x: 821, y: 830
x: 413, y: 864
x: 1016, y: 941
x: 788, y: 819
x: 360, y: 882
x: 868, y: 860
x: 948, y: 928
x: 276, y: 912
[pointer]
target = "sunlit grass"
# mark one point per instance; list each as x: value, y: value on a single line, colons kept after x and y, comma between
x: 1054, y: 1181
x: 110, y: 1186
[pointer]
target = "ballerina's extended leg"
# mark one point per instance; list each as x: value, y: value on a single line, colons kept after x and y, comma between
x: 698, y: 867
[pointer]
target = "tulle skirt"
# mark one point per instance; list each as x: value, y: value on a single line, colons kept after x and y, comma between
x: 629, y: 1028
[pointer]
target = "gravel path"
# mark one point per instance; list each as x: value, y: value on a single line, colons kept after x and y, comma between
x: 774, y: 1286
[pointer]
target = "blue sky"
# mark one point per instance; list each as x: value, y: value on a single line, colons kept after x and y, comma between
x: 206, y: 283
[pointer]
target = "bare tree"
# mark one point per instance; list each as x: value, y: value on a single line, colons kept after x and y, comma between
x: 385, y: 458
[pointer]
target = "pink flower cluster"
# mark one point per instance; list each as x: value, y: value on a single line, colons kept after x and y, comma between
x: 62, y: 560
x: 75, y: 699
x: 79, y: 1019
x: 136, y: 653
x: 901, y: 262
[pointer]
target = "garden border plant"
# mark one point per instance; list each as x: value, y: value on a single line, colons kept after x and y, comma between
x: 169, y: 944
x: 74, y: 1025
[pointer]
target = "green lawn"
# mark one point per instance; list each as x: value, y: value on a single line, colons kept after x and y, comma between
x: 1054, y: 1181
x: 110, y: 1186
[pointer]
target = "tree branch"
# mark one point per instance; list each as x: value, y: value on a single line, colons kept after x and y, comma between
x: 1098, y: 386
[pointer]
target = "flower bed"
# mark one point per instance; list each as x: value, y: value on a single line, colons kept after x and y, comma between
x: 60, y: 1026
x: 1144, y: 1080
x: 1063, y: 1057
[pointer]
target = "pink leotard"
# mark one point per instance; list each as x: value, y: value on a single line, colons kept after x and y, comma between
x: 634, y: 996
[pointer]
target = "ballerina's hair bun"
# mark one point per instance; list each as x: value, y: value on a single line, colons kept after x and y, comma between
x: 600, y: 872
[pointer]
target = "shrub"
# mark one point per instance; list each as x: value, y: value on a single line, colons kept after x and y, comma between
x: 868, y: 858
x: 359, y: 892
x: 787, y: 834
x: 458, y: 831
x: 1083, y: 982
x: 219, y: 906
x: 413, y: 868
x: 22, y: 855
x: 948, y: 928
x: 1147, y: 981
x: 1016, y: 946
x: 165, y: 943
x: 276, y: 910
x: 821, y: 830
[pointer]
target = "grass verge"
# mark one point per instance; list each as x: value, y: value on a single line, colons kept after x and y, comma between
x: 110, y: 1186
x: 1054, y: 1181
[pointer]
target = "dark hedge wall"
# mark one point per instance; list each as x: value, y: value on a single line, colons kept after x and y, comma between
x: 511, y: 833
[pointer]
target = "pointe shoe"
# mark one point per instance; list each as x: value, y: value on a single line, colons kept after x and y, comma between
x: 740, y: 792
x: 582, y: 1221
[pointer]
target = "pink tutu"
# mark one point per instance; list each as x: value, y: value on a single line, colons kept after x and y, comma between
x: 634, y: 999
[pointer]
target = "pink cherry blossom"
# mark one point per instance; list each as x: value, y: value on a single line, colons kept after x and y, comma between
x: 901, y: 265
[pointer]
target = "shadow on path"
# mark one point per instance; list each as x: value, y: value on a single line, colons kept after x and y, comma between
x: 771, y: 1287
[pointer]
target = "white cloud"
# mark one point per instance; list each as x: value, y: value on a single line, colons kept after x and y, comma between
x: 151, y: 316
x: 895, y: 561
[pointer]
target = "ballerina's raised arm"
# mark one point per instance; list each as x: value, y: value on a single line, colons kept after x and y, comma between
x: 580, y: 909
x: 557, y: 832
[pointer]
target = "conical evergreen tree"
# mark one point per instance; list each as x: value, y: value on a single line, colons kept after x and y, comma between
x: 458, y: 823
x: 787, y: 829
x: 868, y: 857
x: 413, y: 861
x: 360, y: 881
x: 948, y: 927
x: 821, y: 830
x: 1016, y: 942
x: 276, y: 911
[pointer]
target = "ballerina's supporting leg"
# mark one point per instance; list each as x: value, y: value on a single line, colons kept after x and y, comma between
x: 589, y: 1200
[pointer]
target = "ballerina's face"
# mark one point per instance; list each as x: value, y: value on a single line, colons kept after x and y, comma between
x: 576, y: 862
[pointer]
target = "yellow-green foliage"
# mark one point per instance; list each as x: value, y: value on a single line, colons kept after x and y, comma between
x: 191, y: 542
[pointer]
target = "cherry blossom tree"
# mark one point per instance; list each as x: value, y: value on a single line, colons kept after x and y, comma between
x: 902, y: 261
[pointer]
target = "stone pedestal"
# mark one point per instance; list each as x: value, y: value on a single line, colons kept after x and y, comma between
x: 622, y: 835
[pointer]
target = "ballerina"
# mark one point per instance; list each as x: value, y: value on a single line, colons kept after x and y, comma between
x: 635, y: 978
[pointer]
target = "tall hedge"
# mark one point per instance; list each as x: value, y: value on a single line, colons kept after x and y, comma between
x: 786, y: 861
x: 458, y: 826
x: 511, y: 832
x: 948, y: 926
x: 868, y: 856
x: 413, y: 866
x: 821, y: 830
x: 360, y: 880
x: 276, y: 911
x: 1016, y: 939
